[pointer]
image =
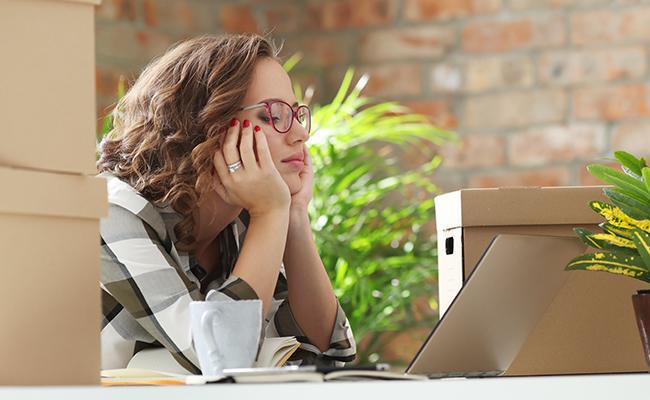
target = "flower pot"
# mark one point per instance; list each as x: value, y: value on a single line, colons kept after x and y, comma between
x: 641, y: 302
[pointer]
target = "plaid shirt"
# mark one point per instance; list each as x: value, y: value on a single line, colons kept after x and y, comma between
x: 147, y: 286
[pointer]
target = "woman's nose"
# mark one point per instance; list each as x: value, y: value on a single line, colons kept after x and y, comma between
x: 297, y: 133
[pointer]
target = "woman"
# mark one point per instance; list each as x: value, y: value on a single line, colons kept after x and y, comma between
x: 209, y: 180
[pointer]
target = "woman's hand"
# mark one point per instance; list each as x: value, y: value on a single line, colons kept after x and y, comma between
x: 256, y: 185
x: 300, y: 200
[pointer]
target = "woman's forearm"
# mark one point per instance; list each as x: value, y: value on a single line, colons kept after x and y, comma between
x: 261, y: 255
x: 311, y: 297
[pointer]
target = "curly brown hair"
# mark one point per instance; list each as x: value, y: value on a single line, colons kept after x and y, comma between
x: 178, y: 107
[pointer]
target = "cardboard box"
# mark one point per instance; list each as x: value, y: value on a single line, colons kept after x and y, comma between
x: 590, y: 326
x: 47, y: 81
x: 49, y: 287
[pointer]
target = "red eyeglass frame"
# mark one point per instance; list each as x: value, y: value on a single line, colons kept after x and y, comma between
x: 294, y: 113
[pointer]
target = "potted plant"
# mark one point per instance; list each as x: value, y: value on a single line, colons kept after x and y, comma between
x: 624, y: 245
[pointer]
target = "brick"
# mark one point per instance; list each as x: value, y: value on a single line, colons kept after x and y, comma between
x: 540, y: 146
x: 593, y: 27
x: 393, y: 80
x: 440, y: 112
x: 130, y: 44
x: 525, y: 5
x: 150, y: 13
x: 448, y: 180
x: 183, y: 17
x: 237, y: 18
x: 446, y: 77
x: 319, y: 51
x: 554, y: 176
x: 475, y: 151
x: 514, y: 109
x: 441, y: 10
x: 488, y: 73
x: 608, y: 26
x: 594, y: 65
x: 633, y: 137
x: 513, y: 34
x: 342, y: 14
x: 611, y: 102
x: 284, y: 17
x: 116, y: 10
x: 427, y: 42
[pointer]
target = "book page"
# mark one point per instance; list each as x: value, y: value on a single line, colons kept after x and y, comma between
x: 275, y: 351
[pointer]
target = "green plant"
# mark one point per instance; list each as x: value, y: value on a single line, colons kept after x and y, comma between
x: 624, y: 245
x: 368, y: 212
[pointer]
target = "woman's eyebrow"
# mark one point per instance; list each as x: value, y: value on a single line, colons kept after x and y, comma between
x: 295, y: 103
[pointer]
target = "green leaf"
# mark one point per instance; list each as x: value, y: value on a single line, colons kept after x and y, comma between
x: 291, y: 62
x: 614, y: 240
x: 619, y: 179
x: 610, y: 241
x: 646, y: 177
x: 628, y: 204
x: 607, y: 227
x: 585, y: 236
x: 630, y: 162
x: 618, y: 218
x: 642, y: 241
x: 620, y: 264
x: 612, y: 214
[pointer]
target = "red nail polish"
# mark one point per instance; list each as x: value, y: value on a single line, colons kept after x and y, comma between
x: 257, y: 128
x: 246, y: 124
x: 233, y: 122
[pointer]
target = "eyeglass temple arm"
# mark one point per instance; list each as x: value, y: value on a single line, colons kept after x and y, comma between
x: 251, y: 107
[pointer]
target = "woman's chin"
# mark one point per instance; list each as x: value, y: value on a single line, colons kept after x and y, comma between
x: 293, y: 182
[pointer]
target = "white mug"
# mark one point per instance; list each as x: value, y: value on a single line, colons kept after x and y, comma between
x: 226, y: 333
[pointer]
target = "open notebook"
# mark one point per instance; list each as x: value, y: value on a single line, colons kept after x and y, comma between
x: 157, y: 363
x: 139, y: 377
x: 158, y: 367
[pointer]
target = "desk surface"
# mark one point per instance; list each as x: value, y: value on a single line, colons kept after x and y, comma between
x: 564, y: 387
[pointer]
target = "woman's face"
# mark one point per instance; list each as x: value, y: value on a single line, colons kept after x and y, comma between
x: 269, y: 82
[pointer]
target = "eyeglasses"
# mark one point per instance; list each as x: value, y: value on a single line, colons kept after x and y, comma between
x: 281, y: 114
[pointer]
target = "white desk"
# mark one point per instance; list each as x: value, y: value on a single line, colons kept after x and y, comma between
x: 591, y: 387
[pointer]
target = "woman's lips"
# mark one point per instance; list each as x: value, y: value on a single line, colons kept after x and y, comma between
x: 295, y: 164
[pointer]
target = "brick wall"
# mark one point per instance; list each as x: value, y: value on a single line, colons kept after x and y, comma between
x: 535, y: 88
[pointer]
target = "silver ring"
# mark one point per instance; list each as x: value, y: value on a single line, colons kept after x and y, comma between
x: 234, y: 166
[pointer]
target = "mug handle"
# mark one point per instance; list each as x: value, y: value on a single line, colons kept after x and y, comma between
x: 207, y: 322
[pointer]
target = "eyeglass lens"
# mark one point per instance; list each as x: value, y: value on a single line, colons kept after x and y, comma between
x: 282, y: 113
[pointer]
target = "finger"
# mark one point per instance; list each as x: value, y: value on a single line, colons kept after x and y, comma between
x: 222, y: 169
x: 230, y: 151
x: 263, y: 152
x: 246, y: 146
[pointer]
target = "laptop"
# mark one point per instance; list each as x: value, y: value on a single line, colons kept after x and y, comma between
x: 501, y: 303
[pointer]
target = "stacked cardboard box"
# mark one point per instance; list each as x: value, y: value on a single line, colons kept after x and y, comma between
x: 590, y: 325
x: 50, y: 202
